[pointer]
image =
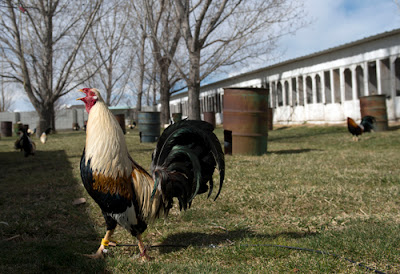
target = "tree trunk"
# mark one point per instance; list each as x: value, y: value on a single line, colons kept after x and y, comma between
x: 142, y: 69
x: 46, y: 118
x: 164, y: 91
x: 194, y: 86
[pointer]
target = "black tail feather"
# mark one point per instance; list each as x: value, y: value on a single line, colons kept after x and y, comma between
x: 368, y: 123
x: 184, y: 161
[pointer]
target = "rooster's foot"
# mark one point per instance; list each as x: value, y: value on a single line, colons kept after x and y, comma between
x: 98, y: 254
x: 144, y: 257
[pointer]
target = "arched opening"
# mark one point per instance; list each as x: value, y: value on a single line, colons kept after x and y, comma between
x: 336, y: 86
x: 360, y: 81
x: 327, y: 83
x: 279, y: 93
x: 273, y: 94
x: 294, y: 92
x: 309, y: 90
x: 348, y: 87
x: 301, y: 91
x: 397, y: 76
x: 385, y: 76
x: 318, y: 88
x: 286, y: 93
x: 372, y: 79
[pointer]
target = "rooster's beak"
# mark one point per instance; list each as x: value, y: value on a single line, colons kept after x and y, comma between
x: 81, y: 99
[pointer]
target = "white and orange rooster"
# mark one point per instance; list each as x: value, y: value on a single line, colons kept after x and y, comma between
x: 183, y: 164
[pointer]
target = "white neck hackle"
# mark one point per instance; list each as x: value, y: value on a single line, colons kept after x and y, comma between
x: 105, y: 143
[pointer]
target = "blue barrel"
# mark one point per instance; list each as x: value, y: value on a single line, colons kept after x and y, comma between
x: 149, y: 126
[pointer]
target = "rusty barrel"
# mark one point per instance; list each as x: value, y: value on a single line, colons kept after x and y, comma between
x: 149, y: 126
x: 121, y: 121
x: 246, y: 116
x: 375, y: 105
x: 6, y: 129
x: 209, y: 116
x: 176, y: 117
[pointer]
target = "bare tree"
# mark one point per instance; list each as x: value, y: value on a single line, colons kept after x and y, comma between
x: 6, y: 97
x: 139, y: 42
x: 222, y: 33
x: 165, y: 37
x: 110, y: 40
x: 40, y: 41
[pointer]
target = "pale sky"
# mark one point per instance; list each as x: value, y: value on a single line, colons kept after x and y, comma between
x: 333, y: 23
x: 336, y: 22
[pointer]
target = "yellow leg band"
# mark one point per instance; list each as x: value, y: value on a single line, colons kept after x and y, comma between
x: 104, y: 242
x: 107, y: 242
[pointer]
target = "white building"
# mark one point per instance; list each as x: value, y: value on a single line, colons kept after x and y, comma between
x: 323, y: 87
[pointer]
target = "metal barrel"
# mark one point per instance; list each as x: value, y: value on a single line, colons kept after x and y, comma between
x: 149, y: 126
x: 121, y: 121
x: 6, y: 129
x: 176, y: 117
x: 209, y: 116
x: 245, y: 114
x: 375, y: 105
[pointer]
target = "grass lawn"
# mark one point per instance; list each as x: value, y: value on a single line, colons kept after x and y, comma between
x: 314, y: 189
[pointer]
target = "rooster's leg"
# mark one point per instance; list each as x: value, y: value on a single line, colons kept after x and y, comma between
x: 142, y: 249
x: 104, y: 243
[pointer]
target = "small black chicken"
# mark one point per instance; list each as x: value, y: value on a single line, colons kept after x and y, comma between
x: 367, y: 125
x: 25, y: 143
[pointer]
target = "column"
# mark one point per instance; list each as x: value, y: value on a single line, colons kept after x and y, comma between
x: 354, y: 82
x: 378, y: 76
x: 366, y: 79
x: 314, y: 88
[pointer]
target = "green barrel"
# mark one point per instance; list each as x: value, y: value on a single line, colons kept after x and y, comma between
x: 149, y: 126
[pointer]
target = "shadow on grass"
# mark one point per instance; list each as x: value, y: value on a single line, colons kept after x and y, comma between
x: 40, y: 227
x: 293, y: 151
x: 394, y: 128
x: 306, y: 132
x: 182, y: 240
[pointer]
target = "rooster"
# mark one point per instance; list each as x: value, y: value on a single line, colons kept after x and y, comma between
x: 25, y: 143
x: 183, y: 163
x: 367, y: 125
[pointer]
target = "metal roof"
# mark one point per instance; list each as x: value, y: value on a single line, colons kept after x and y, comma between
x: 304, y: 57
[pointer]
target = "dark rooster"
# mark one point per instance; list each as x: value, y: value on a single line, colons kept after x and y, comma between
x: 182, y: 166
x: 367, y: 125
x: 25, y: 143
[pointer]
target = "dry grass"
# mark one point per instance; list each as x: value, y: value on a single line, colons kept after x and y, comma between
x: 315, y: 188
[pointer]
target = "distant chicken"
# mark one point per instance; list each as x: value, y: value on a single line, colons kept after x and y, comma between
x: 43, y: 137
x: 183, y: 164
x: 367, y: 125
x: 25, y: 143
